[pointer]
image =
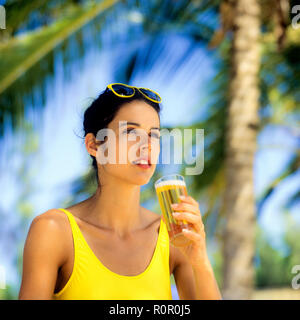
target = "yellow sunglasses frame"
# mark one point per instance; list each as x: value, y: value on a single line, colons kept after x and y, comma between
x: 132, y: 87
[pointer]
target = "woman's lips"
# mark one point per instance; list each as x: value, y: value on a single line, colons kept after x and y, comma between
x: 142, y: 163
x: 143, y: 160
x: 144, y: 166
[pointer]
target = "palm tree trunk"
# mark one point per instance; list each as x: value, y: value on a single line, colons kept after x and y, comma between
x: 239, y: 231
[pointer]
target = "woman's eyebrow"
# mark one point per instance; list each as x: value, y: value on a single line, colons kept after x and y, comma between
x: 136, y: 124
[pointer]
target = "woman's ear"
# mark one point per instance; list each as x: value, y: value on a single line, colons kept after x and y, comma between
x: 91, y: 144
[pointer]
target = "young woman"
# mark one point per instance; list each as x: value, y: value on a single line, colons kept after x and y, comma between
x: 109, y: 246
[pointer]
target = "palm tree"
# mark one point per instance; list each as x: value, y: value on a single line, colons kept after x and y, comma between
x: 245, y: 18
x: 242, y: 125
x: 34, y: 50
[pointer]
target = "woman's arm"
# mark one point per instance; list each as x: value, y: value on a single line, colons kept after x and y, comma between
x: 194, y: 283
x: 206, y: 284
x: 193, y: 267
x: 42, y: 257
x: 183, y: 275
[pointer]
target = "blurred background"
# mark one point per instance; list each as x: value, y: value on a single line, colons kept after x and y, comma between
x: 230, y: 67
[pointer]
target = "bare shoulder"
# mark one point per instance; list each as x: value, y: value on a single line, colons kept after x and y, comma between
x: 45, y: 251
x: 53, y: 220
x: 49, y: 229
x: 48, y: 235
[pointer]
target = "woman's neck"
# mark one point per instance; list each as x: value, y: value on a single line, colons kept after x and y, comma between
x: 117, y: 208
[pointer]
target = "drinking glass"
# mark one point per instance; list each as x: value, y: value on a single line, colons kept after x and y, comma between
x: 168, y: 189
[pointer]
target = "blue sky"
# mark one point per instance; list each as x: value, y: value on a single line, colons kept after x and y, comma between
x: 275, y: 148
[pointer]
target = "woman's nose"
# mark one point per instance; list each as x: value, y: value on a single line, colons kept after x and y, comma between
x: 146, y: 146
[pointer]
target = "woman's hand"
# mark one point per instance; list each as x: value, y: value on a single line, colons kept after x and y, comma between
x: 189, y: 211
x: 195, y: 250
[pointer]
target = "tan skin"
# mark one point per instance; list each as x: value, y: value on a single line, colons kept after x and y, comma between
x: 113, y: 222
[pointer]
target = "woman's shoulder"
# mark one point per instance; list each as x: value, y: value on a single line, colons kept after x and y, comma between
x: 47, y: 235
x: 52, y: 223
x: 53, y: 218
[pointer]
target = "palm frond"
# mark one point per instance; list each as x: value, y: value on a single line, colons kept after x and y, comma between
x: 27, y: 61
x: 291, y: 168
x: 19, y: 54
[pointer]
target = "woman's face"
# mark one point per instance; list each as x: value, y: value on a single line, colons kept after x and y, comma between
x: 136, y: 134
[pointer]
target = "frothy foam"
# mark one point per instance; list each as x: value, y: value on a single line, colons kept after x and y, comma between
x: 170, y: 183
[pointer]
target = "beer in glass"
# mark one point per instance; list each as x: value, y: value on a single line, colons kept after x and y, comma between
x: 168, y: 189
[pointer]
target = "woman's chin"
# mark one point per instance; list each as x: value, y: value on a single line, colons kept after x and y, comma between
x: 141, y: 176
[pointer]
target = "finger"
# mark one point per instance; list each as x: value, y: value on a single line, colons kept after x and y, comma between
x: 189, y: 199
x: 185, y: 207
x: 184, y: 215
x: 194, y: 220
x: 194, y: 236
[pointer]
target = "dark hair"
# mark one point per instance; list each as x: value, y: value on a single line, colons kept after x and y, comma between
x: 103, y: 110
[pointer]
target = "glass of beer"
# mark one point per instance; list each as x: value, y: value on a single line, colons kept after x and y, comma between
x: 168, y: 189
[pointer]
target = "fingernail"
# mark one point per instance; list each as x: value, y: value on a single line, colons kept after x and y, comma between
x: 175, y: 213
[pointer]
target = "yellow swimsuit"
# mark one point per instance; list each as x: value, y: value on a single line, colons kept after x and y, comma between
x: 90, y: 279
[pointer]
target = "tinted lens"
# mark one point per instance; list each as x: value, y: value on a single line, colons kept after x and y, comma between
x: 150, y: 94
x: 122, y: 90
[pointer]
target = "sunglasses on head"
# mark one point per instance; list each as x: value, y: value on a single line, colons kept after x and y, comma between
x: 125, y: 91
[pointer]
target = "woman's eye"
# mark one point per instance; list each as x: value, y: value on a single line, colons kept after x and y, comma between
x: 133, y: 130
x: 157, y: 136
x: 130, y: 130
